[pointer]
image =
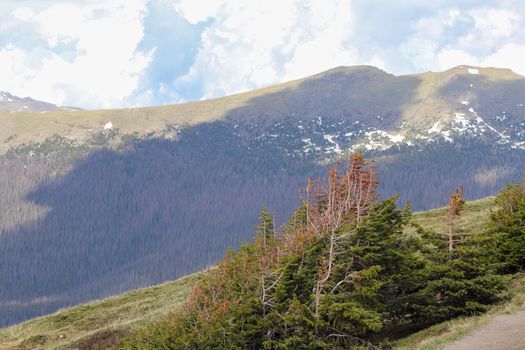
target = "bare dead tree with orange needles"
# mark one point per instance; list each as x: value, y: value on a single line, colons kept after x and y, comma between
x: 341, y: 199
x: 454, y: 211
x: 268, y: 257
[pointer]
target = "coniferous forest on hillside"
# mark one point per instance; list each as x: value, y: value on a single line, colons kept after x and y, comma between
x: 84, y: 222
x: 348, y: 270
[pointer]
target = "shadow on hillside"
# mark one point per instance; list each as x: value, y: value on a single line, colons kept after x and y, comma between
x: 122, y: 220
x: 494, y: 98
x: 358, y: 93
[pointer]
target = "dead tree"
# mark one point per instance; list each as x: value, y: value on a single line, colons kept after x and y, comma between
x: 341, y: 199
x: 454, y: 211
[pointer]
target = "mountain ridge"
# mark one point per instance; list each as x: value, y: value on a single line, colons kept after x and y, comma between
x: 365, y: 93
x: 12, y: 103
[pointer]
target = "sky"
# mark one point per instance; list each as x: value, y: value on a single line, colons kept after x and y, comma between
x: 130, y: 53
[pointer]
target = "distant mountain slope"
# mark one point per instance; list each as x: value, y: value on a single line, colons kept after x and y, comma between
x: 378, y: 109
x: 108, y: 320
x: 13, y: 103
x: 94, y: 203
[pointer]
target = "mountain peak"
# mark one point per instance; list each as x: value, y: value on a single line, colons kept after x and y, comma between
x: 361, y: 69
x: 10, y: 102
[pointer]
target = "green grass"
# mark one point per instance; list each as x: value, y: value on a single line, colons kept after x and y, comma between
x: 103, y: 322
x: 472, y: 220
x: 107, y: 321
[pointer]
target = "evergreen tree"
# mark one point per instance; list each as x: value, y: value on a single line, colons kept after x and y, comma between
x: 345, y: 272
x: 507, y: 225
x: 461, y: 275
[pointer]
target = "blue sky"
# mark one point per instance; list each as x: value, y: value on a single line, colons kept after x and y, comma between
x: 127, y: 53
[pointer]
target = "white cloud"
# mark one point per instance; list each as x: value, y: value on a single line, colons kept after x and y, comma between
x: 510, y: 55
x: 88, y: 53
x: 255, y: 43
x: 23, y: 13
x: 196, y: 11
x: 102, y: 66
x: 484, y: 36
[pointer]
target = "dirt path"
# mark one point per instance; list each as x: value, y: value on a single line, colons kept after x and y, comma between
x: 504, y: 332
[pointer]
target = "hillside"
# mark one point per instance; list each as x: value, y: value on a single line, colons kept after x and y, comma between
x: 112, y: 318
x: 101, y: 321
x: 390, y: 109
x: 162, y: 192
x: 11, y: 103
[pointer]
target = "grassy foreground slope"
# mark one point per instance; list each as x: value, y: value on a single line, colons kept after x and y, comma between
x: 100, y: 324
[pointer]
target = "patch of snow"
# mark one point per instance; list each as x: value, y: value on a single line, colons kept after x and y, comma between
x: 446, y: 135
x: 520, y: 145
x: 396, y: 138
x: 108, y: 126
x: 460, y: 119
x: 473, y: 71
x: 335, y: 148
x: 466, y: 103
x: 379, y: 140
x: 348, y: 134
x: 434, y: 128
x: 481, y: 121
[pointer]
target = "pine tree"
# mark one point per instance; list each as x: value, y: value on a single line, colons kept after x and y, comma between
x: 461, y: 275
x: 346, y: 270
x: 507, y: 225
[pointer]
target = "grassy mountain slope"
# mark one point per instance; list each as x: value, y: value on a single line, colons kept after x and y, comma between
x: 102, y: 321
x: 105, y: 321
x: 361, y: 92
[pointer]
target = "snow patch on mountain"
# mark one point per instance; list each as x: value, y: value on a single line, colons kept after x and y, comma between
x: 335, y: 148
x: 5, y: 97
x: 434, y: 129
